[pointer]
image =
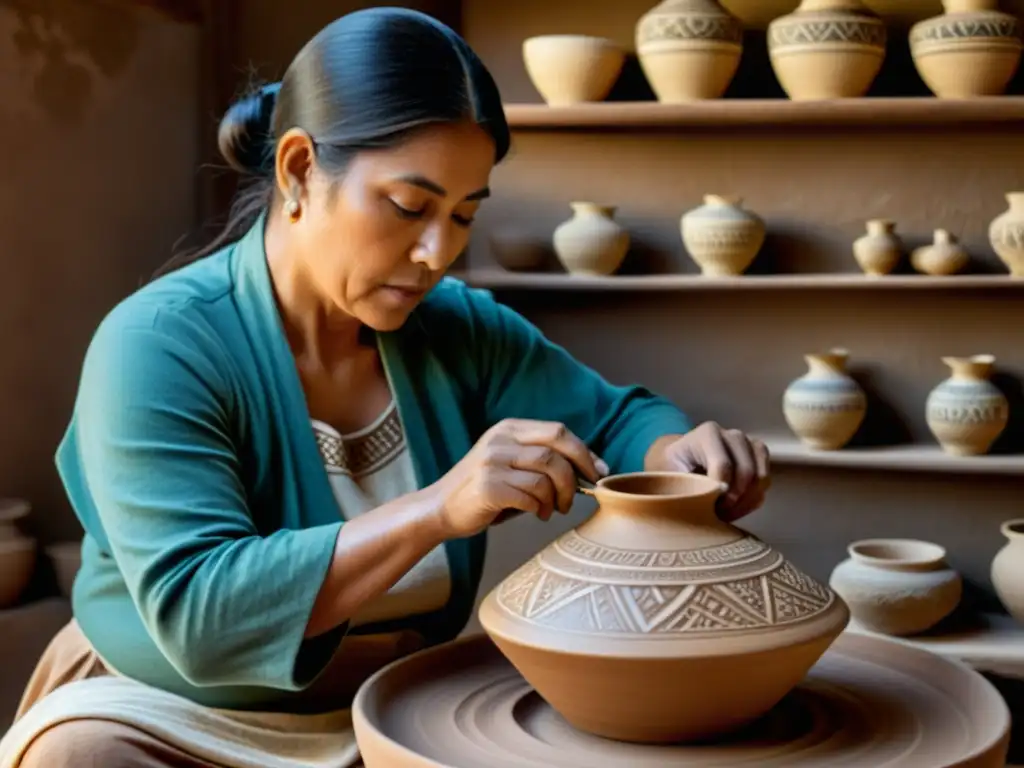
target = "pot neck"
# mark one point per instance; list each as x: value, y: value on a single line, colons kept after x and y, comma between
x: 905, y: 555
x: 593, y: 209
x: 881, y: 227
x: 723, y: 201
x: 1013, y: 529
x: 831, y: 362
x: 1016, y: 201
x: 970, y: 368
x: 943, y: 237
x: 833, y: 5
x: 967, y: 6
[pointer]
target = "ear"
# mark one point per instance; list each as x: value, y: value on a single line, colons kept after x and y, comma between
x: 293, y: 164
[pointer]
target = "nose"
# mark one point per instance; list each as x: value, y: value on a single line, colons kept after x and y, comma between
x: 436, y: 247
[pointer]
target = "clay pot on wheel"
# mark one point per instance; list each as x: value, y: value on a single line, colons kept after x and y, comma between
x: 827, y: 49
x: 825, y: 407
x: 1006, y: 234
x: 897, y: 586
x: 654, y: 621
x: 572, y: 69
x: 970, y: 50
x: 688, y: 49
x: 967, y: 413
x: 1008, y: 569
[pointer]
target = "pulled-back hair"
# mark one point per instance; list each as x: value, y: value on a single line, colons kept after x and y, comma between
x: 365, y: 81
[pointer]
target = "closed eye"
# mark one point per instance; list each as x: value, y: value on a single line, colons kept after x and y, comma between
x: 462, y: 221
x: 406, y: 213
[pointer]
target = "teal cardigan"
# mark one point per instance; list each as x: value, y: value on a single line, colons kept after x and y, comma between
x: 210, y: 521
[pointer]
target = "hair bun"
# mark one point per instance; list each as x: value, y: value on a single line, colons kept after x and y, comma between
x: 245, y: 131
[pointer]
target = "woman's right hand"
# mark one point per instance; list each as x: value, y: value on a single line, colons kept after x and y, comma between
x: 517, y: 464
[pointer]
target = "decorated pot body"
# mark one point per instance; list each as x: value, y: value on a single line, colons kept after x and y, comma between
x: 825, y: 407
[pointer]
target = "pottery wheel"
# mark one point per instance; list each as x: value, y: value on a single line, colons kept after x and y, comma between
x: 869, y: 702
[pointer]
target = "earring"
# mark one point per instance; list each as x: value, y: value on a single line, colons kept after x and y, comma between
x: 293, y: 209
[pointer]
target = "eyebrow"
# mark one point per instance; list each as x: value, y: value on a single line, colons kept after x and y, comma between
x: 432, y: 186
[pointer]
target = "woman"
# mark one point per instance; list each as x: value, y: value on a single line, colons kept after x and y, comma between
x: 286, y: 454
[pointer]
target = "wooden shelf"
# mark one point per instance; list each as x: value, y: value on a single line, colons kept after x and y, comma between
x: 542, y: 281
x: 996, y: 645
x: 761, y: 113
x: 788, y: 451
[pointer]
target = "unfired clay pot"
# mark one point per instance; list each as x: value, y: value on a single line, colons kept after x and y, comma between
x: 825, y: 407
x: 591, y: 242
x: 1008, y: 569
x: 966, y: 413
x: 897, y: 586
x: 970, y: 50
x: 688, y: 49
x: 654, y: 621
x: 572, y: 69
x: 827, y: 49
x: 721, y: 236
x: 945, y: 255
x: 1006, y: 234
x: 880, y: 249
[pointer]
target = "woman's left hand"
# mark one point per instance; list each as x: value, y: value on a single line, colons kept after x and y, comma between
x: 728, y: 455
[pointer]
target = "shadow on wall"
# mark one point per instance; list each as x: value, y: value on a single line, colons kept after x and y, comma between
x: 65, y: 44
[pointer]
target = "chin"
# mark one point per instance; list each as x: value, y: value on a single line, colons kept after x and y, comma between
x: 385, y: 321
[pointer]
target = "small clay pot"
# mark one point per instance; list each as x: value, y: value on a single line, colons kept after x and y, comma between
x: 572, y: 69
x: 1008, y: 569
x: 1006, y: 234
x: 945, y: 255
x: 516, y: 250
x: 897, y: 586
x: 878, y: 252
x: 826, y: 406
x: 721, y: 236
x: 967, y: 413
x: 591, y: 242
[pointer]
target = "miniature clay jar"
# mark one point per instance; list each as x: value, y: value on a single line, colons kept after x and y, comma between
x: 66, y: 558
x: 1008, y: 569
x: 721, y: 236
x: 688, y: 49
x: 572, y: 69
x: 970, y: 50
x: 1006, y: 234
x: 654, y: 621
x: 827, y: 49
x: 516, y: 250
x: 591, y: 242
x: 945, y: 255
x: 825, y: 407
x: 897, y: 586
x: 966, y: 413
x: 879, y: 251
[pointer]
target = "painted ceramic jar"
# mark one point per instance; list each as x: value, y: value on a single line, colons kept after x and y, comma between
x: 967, y: 413
x: 897, y: 586
x: 655, y: 621
x: 591, y: 242
x: 721, y: 236
x: 1006, y: 234
x: 1008, y: 569
x: 825, y: 407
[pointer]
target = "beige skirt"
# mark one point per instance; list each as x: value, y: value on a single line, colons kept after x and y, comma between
x: 77, y: 712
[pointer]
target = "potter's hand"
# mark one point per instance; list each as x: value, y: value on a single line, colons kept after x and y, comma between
x: 517, y: 464
x: 728, y: 455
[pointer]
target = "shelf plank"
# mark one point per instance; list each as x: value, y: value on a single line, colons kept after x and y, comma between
x: 761, y: 113
x: 788, y: 451
x: 996, y: 645
x: 543, y: 281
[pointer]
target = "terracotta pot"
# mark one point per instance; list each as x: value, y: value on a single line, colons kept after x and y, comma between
x: 897, y: 586
x: 572, y: 69
x: 1006, y: 234
x: 591, y: 242
x: 825, y: 407
x: 689, y: 49
x: 12, y: 511
x: 1008, y: 569
x: 66, y: 557
x: 878, y: 252
x: 966, y: 413
x: 721, y: 236
x: 827, y: 49
x: 945, y: 256
x: 17, y: 563
x: 654, y: 621
x: 970, y: 50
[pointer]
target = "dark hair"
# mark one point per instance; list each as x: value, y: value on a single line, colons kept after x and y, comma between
x: 367, y: 80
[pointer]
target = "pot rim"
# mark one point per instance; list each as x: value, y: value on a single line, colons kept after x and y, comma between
x: 12, y: 509
x: 1013, y: 529
x: 701, y: 485
x: 897, y: 553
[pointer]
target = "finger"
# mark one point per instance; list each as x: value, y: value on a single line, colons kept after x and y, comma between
x: 762, y: 457
x: 742, y: 509
x: 537, y: 485
x: 717, y: 460
x: 557, y: 436
x: 543, y: 458
x: 744, y: 473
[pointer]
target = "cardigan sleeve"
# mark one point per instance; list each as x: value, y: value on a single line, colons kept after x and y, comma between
x: 522, y: 374
x: 160, y: 476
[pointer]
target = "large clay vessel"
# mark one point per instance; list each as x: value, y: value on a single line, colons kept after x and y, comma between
x: 591, y: 242
x: 967, y: 413
x: 654, y: 621
x: 1008, y: 569
x: 970, y: 50
x: 572, y: 69
x: 721, y: 236
x: 827, y: 49
x: 1006, y: 234
x: 825, y: 407
x: 688, y: 49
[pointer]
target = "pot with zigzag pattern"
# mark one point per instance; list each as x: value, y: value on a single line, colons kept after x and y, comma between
x: 655, y: 621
